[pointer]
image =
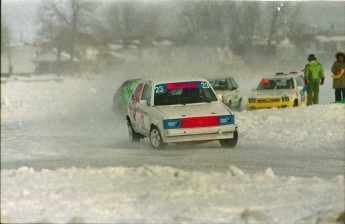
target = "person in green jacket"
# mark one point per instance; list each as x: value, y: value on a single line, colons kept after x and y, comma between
x: 338, y: 70
x: 314, y: 77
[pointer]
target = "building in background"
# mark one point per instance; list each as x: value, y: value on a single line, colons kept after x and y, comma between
x: 48, y: 63
x: 19, y: 61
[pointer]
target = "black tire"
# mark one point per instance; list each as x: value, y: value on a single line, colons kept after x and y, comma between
x: 295, y: 103
x: 133, y: 136
x: 156, y: 138
x: 230, y: 142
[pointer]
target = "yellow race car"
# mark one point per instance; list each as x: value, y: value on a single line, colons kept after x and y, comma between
x: 281, y: 90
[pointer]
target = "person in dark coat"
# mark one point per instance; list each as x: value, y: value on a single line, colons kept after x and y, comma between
x: 338, y: 70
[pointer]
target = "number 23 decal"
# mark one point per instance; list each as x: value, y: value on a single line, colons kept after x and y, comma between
x: 204, y: 85
x: 159, y: 89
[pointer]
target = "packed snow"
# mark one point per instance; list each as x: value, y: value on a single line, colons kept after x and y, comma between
x: 65, y: 159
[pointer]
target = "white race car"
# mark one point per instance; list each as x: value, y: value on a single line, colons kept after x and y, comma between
x: 179, y: 111
x: 228, y: 88
x: 281, y: 90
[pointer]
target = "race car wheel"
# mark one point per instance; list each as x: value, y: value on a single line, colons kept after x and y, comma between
x: 230, y: 142
x: 295, y: 103
x: 133, y: 136
x: 156, y: 138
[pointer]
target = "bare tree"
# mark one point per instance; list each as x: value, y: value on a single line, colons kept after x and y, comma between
x: 231, y: 23
x: 192, y: 16
x: 150, y: 21
x: 128, y: 20
x: 285, y: 18
x: 241, y: 22
x: 62, y: 23
x: 249, y: 25
x: 4, y: 35
x: 277, y: 9
x: 297, y: 29
x: 284, y: 21
x: 200, y: 18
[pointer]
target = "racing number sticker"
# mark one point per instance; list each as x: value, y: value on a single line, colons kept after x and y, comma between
x: 205, y: 85
x: 159, y: 89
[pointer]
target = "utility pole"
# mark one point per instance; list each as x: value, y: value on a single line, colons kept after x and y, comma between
x: 5, y: 36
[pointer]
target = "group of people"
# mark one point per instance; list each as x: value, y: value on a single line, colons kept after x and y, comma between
x: 314, y: 77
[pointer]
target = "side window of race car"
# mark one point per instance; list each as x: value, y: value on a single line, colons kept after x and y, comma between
x: 146, y: 93
x: 234, y: 84
x: 230, y: 84
x: 299, y: 81
x: 137, y: 92
x: 292, y: 83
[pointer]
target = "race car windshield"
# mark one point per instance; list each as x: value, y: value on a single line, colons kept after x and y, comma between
x: 183, y: 93
x: 218, y: 84
x: 273, y: 84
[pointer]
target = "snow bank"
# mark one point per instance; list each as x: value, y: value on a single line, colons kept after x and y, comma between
x: 303, y: 127
x: 157, y: 194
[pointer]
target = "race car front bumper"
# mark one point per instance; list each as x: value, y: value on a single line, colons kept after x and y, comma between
x: 262, y: 105
x: 199, y: 134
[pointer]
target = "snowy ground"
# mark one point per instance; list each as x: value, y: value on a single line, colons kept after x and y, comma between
x: 65, y: 159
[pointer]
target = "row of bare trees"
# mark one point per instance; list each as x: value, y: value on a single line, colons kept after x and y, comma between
x: 71, y: 25
x: 67, y: 25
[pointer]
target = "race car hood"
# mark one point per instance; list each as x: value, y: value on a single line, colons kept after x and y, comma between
x: 193, y: 110
x: 271, y: 93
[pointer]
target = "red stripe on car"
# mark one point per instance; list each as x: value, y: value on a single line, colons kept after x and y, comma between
x: 196, y: 122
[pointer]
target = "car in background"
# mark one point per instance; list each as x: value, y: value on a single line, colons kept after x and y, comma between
x: 228, y: 88
x: 179, y: 110
x: 122, y: 95
x: 280, y: 90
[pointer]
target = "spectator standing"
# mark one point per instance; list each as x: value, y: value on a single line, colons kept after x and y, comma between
x: 338, y: 70
x: 314, y: 77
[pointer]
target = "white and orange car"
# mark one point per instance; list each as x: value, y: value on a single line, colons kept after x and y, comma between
x: 179, y: 111
x: 281, y: 90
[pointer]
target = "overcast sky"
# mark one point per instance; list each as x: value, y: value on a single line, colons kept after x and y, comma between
x: 21, y: 15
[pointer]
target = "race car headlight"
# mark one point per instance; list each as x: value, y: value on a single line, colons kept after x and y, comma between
x: 226, y: 119
x: 172, y: 123
x: 252, y: 100
x: 285, y: 98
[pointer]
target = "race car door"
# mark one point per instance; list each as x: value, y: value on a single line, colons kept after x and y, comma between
x: 144, y: 107
x: 134, y: 104
x: 233, y: 87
